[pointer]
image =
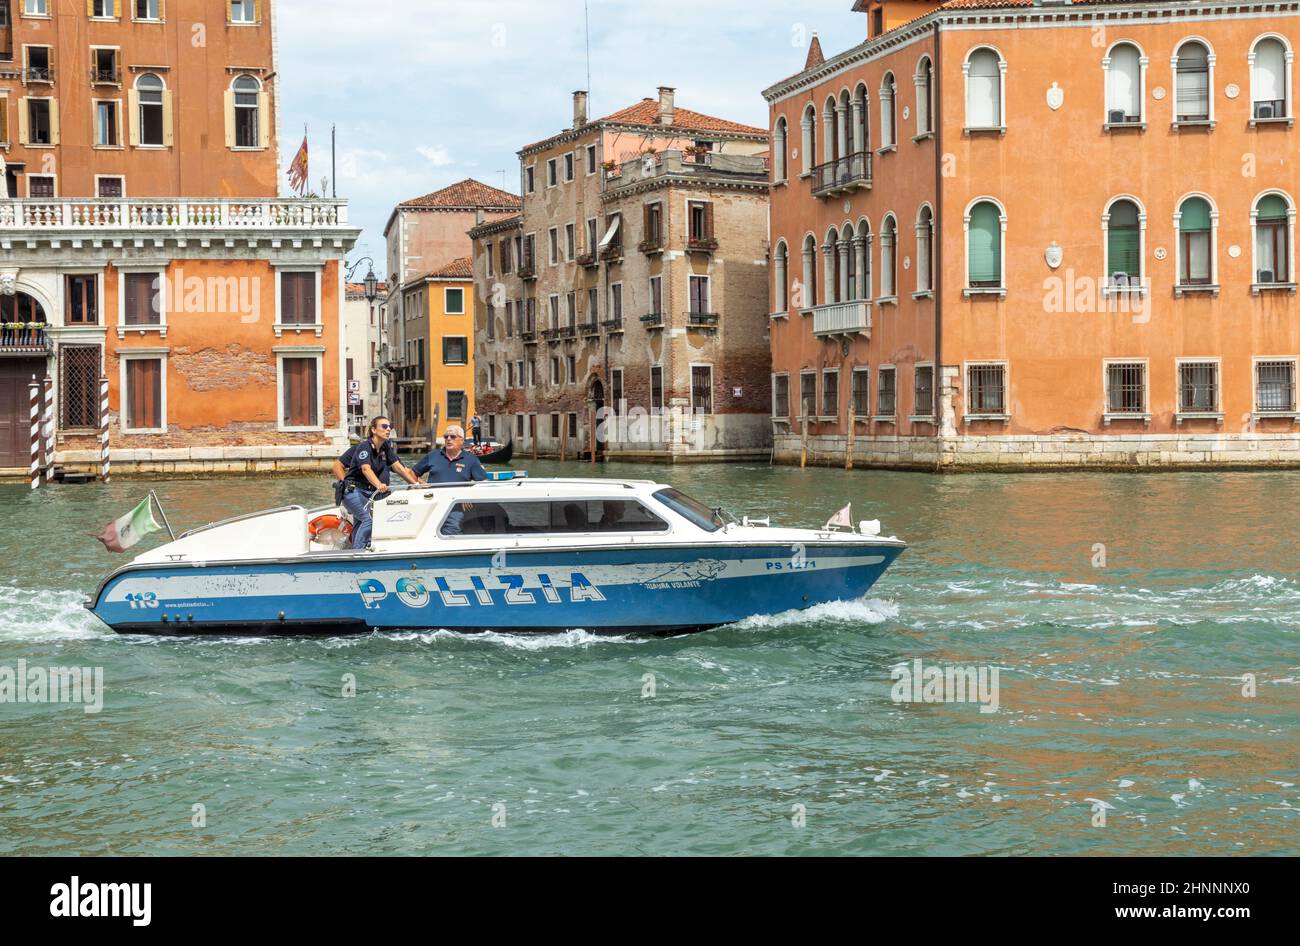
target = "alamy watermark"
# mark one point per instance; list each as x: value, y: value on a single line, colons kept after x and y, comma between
x: 917, y: 683
x: 31, y: 684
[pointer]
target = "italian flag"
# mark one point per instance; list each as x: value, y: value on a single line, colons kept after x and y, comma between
x: 120, y: 535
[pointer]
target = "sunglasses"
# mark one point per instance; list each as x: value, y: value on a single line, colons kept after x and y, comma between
x: 453, y: 436
x: 384, y: 426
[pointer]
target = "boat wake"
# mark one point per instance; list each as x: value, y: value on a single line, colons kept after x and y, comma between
x: 46, y: 615
x: 856, y: 612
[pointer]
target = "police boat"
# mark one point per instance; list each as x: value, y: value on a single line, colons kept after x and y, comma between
x: 510, y: 554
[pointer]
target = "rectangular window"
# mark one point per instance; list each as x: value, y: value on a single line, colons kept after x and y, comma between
x: 38, y: 64
x: 40, y: 186
x: 1198, y: 387
x: 807, y: 393
x: 510, y: 319
x: 144, y: 393
x: 553, y: 304
x: 555, y: 369
x: 555, y: 426
x: 454, y: 301
x: 79, y: 386
x: 106, y: 124
x: 830, y: 393
x: 242, y: 11
x: 702, y: 389
x: 700, y: 220
x: 885, y: 401
x: 591, y: 159
x: 147, y: 9
x: 36, y: 8
x: 505, y: 256
x: 861, y: 392
x: 529, y: 260
x: 83, y: 299
x: 656, y: 389
x: 141, y: 298
x: 699, y: 294
x: 457, y: 405
x: 530, y: 315
x: 781, y: 396
x: 553, y: 241
x: 38, y: 122
x: 1126, y: 388
x: 492, y: 376
x: 455, y: 350
x: 571, y: 310
x: 532, y: 371
x: 297, y: 298
x: 616, y: 391
x: 568, y: 166
x: 591, y: 236
x: 491, y: 323
x: 654, y: 224
x: 103, y: 8
x: 551, y: 179
x: 593, y: 306
x: 569, y: 242
x: 987, y: 385
x: 571, y: 369
x: 923, y: 391
x: 656, y: 295
x: 1275, y: 386
x: 1272, y: 251
x: 109, y: 187
x: 510, y: 374
x: 616, y: 302
x: 104, y: 67
x: 530, y: 180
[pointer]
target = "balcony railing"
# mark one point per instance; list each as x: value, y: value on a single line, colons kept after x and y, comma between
x: 613, y: 325
x: 111, y: 76
x: 588, y: 260
x: 701, y: 244
x: 120, y: 213
x: 841, y: 175
x: 39, y: 74
x: 563, y: 331
x: 653, y: 320
x: 612, y: 252
x: 842, y: 318
x: 527, y: 269
x: 23, y: 336
x: 529, y: 336
x: 702, y: 319
x: 589, y: 328
x: 654, y: 244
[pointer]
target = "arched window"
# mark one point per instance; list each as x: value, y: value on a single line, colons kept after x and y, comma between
x: 1123, y: 223
x: 924, y: 249
x: 862, y: 250
x: 781, y: 272
x: 888, y: 127
x: 1195, y: 242
x: 828, y: 131
x: 248, y: 125
x: 983, y: 70
x: 889, y: 258
x: 1274, y: 225
x: 806, y: 296
x: 1270, y: 79
x: 779, y: 150
x: 1192, y: 68
x: 1125, y: 71
x: 984, y: 246
x: 924, y: 95
x: 149, y: 91
x: 831, y: 268
x: 808, y: 125
x: 849, y: 261
x: 861, y: 119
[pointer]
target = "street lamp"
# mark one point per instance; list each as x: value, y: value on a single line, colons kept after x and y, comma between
x: 371, y: 282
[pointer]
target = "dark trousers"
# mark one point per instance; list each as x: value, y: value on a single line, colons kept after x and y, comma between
x: 478, y: 435
x: 357, y: 504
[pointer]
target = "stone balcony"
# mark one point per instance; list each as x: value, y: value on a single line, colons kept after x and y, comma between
x: 843, y: 175
x: 676, y: 164
x: 842, y: 318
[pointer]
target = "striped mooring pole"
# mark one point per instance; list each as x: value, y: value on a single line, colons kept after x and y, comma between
x: 34, y: 389
x: 49, y: 427
x: 104, y: 465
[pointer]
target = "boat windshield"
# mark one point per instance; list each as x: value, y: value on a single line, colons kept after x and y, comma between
x: 692, y: 509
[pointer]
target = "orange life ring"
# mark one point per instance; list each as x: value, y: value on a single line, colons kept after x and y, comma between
x: 329, y: 521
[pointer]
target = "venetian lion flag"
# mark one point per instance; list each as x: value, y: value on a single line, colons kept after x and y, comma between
x: 120, y: 535
x: 842, y: 518
x: 298, y: 169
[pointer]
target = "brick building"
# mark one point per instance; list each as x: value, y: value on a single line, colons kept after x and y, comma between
x: 1053, y: 233
x: 146, y: 244
x: 633, y: 285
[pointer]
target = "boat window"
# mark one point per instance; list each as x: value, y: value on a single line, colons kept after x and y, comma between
x: 551, y: 516
x: 690, y: 508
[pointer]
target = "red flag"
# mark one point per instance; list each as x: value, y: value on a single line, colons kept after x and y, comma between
x: 298, y: 169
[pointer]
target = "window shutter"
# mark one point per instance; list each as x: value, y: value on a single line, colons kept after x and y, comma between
x: 985, y: 253
x: 307, y: 298
x: 257, y: 11
x: 90, y: 7
x: 4, y: 120
x: 230, y: 118
x: 645, y: 222
x: 162, y: 9
x: 708, y: 220
x: 167, y: 116
x: 288, y: 299
x: 24, y: 112
x: 1272, y: 207
x: 54, y: 121
x: 1123, y: 243
x: 264, y: 119
x: 1195, y: 215
x: 133, y: 118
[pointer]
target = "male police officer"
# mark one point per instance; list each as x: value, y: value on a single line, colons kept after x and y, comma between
x: 362, y: 471
x: 452, y: 464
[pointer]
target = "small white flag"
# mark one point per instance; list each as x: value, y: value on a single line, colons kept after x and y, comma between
x: 842, y: 518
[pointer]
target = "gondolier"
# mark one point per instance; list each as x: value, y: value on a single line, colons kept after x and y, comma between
x: 362, y: 471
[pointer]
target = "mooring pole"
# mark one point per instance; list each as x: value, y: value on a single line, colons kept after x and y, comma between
x: 591, y: 431
x: 105, y: 467
x: 34, y: 390
x: 853, y: 429
x: 803, y: 451
x: 49, y: 427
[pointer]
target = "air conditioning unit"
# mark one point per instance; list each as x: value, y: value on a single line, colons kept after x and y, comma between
x: 1264, y: 110
x: 1120, y: 280
x: 1267, y: 276
x: 1116, y: 116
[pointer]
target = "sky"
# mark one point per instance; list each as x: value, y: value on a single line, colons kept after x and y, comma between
x: 428, y: 92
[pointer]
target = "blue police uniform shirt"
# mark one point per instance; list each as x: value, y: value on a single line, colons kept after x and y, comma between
x: 381, y: 461
x: 443, y: 470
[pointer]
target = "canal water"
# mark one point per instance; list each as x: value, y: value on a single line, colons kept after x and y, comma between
x: 1143, y: 629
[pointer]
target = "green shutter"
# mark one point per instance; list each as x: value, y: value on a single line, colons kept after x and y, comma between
x: 1124, y: 251
x: 1195, y: 215
x: 985, y: 245
x: 1272, y: 207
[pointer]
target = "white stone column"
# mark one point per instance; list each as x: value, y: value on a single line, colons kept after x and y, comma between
x: 828, y: 273
x: 828, y: 136
x: 843, y: 295
x: 864, y: 274
x: 842, y: 130
x: 781, y: 292
x: 858, y: 143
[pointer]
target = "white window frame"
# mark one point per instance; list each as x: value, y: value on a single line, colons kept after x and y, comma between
x: 873, y: 394
x: 110, y: 177
x: 288, y: 351
x: 691, y: 386
x: 442, y: 354
x: 1143, y: 62
x: 446, y: 295
x: 821, y: 394
x: 967, y: 127
x: 775, y: 416
x: 318, y: 327
x: 1108, y: 416
x: 914, y: 417
x: 1255, y: 362
x: 25, y: 102
x: 553, y: 245
x: 816, y: 393
x: 1173, y: 66
x: 570, y: 166
x: 124, y: 407
x: 114, y: 16
x: 552, y: 173
x: 593, y: 164
x: 570, y: 242
x: 147, y: 19
x: 159, y: 268
x: 553, y: 308
x: 926, y: 291
x: 1288, y: 57
x: 1181, y: 415
x: 1254, y: 241
x: 968, y: 415
x: 864, y: 370
x: 249, y: 8
x: 34, y: 15
x: 95, y: 128
x: 1142, y: 287
x: 925, y: 93
x: 1213, y: 287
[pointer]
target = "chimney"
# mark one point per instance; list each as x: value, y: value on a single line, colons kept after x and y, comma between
x: 479, y: 217
x: 579, y: 109
x: 667, y: 112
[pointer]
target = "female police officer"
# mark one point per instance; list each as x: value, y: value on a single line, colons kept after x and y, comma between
x: 362, y: 471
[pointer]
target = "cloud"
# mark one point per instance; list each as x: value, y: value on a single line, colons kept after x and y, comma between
x: 436, y: 155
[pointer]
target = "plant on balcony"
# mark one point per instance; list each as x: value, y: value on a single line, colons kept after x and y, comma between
x: 612, y: 252
x: 696, y: 150
x: 702, y: 243
x: 608, y: 165
x: 587, y: 259
x: 652, y: 245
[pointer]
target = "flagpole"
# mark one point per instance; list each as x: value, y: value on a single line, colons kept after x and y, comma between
x: 334, y: 161
x: 163, y: 513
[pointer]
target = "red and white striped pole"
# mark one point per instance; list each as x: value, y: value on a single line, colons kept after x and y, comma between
x: 104, y: 465
x: 34, y: 389
x: 49, y: 427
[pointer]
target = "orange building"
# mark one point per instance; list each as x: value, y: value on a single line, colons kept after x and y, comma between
x: 439, y: 372
x: 1019, y: 234
x: 145, y: 243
